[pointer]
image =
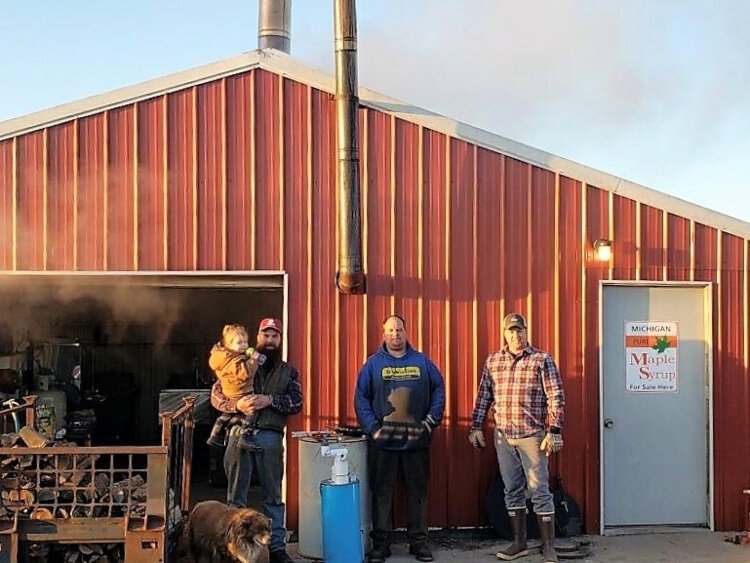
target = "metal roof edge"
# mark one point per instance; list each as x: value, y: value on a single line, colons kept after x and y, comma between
x: 128, y: 95
x: 286, y: 65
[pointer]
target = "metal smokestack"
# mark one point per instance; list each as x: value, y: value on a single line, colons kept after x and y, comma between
x: 275, y: 24
x: 350, y: 278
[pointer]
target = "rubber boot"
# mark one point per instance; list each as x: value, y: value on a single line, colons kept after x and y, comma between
x: 518, y: 548
x: 547, y: 531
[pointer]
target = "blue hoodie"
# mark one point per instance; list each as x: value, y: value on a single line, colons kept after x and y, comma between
x: 401, y: 397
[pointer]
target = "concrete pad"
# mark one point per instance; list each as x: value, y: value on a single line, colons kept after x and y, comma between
x: 690, y: 547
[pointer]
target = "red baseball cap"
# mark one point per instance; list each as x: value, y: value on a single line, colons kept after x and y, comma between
x: 270, y: 324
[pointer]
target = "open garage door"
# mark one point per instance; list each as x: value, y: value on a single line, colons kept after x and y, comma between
x: 136, y: 334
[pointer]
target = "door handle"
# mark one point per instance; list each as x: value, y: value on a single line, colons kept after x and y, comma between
x: 608, y: 423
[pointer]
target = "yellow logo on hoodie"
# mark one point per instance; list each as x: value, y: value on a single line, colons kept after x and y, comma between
x: 405, y: 372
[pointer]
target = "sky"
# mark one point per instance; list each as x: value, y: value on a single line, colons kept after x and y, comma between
x: 654, y: 91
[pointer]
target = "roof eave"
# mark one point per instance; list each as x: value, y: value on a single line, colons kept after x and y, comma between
x: 128, y: 95
x: 286, y: 65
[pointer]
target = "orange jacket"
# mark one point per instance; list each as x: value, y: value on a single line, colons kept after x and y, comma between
x: 231, y: 370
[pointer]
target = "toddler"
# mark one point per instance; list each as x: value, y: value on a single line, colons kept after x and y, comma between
x: 231, y: 360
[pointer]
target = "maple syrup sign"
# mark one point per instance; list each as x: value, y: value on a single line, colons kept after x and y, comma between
x: 651, y: 356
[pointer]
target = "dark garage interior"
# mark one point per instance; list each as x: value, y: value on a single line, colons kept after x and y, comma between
x: 109, y: 346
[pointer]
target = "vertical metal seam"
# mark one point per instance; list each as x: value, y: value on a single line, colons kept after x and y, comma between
x: 392, y: 234
x: 556, y: 282
x: 76, y: 164
x: 45, y: 187
x: 475, y: 267
x: 638, y: 249
x: 447, y: 265
x: 14, y: 211
x: 664, y: 244
x: 719, y: 295
x: 309, y: 246
x: 584, y: 280
x: 165, y: 183
x: 501, y: 249
x: 581, y: 350
x: 337, y: 296
x: 253, y: 169
x: 136, y: 188
x: 105, y: 188
x: 420, y: 237
x: 692, y: 250
x: 223, y: 146
x: 529, y: 290
x: 282, y: 178
x: 364, y: 191
x: 195, y: 172
x: 745, y: 319
x: 745, y: 328
x: 610, y: 232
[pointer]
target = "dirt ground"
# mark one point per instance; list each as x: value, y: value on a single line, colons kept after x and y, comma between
x: 690, y: 547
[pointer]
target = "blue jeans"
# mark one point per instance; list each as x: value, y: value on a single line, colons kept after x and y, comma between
x: 239, y: 465
x: 522, y: 463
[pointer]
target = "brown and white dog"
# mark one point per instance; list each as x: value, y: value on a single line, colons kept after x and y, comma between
x: 217, y: 533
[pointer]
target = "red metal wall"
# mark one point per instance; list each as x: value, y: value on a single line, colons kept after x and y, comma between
x: 238, y: 174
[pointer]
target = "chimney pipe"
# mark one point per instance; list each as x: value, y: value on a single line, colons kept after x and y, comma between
x: 274, y: 25
x: 350, y: 278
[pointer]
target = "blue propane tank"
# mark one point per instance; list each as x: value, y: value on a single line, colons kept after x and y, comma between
x: 343, y: 540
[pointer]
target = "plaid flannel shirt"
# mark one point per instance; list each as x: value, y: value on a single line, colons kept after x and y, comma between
x: 526, y: 391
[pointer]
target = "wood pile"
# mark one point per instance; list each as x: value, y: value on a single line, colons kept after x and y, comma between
x: 64, y: 486
x: 81, y: 553
x: 59, y: 485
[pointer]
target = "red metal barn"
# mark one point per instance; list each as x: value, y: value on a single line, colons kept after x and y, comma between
x: 230, y: 168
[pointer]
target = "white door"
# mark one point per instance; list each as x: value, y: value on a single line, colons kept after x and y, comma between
x: 655, y: 385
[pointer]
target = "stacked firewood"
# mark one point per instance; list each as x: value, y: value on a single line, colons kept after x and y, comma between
x: 81, y: 553
x: 70, y: 485
x: 63, y: 485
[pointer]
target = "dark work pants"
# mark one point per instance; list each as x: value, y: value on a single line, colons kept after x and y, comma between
x: 384, y: 467
x: 239, y: 465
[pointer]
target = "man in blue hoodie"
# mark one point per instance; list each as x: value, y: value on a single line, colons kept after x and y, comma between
x: 399, y: 401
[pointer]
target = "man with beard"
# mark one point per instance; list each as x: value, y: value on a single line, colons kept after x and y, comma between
x: 399, y: 402
x: 277, y: 394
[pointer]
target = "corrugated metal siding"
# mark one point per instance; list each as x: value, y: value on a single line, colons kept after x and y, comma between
x: 91, y: 192
x: 7, y: 204
x: 61, y: 198
x: 597, y: 225
x: 239, y: 174
x: 181, y: 180
x: 652, y: 243
x: 678, y: 248
x: 731, y: 395
x: 31, y: 159
x: 570, y: 335
x: 151, y: 139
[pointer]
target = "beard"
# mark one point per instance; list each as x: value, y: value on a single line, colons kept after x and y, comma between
x: 273, y: 355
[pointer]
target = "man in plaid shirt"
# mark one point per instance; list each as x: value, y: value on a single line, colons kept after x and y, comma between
x: 525, y: 386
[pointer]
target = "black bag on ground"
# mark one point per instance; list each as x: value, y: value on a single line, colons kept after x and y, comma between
x: 568, y: 521
x: 567, y: 512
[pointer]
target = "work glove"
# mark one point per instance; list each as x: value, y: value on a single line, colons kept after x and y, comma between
x: 551, y: 444
x: 429, y: 423
x: 476, y: 438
